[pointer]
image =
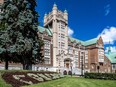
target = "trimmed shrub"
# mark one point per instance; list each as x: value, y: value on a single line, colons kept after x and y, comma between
x: 21, y: 78
x: 54, y: 76
x: 44, y: 77
x: 69, y: 73
x: 105, y: 76
x: 36, y: 77
x: 65, y: 72
x: 48, y: 75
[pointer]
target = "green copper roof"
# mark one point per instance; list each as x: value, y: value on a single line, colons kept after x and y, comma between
x: 85, y: 43
x: 77, y: 40
x: 42, y: 29
x: 111, y: 57
x: 90, y: 42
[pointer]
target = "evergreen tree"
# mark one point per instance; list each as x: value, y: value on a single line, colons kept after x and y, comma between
x: 19, y: 41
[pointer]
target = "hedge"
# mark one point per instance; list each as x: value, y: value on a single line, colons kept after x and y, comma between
x: 105, y: 76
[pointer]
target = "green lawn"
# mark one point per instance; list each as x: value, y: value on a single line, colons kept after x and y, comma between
x: 76, y: 82
x: 68, y: 82
x: 2, y: 82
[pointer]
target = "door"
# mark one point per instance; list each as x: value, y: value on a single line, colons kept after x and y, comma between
x: 67, y: 65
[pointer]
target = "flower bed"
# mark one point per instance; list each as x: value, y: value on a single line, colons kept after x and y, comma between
x: 17, y: 79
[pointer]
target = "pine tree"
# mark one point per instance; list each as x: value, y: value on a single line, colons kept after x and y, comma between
x: 19, y: 41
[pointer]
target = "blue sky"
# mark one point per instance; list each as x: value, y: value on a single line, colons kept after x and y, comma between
x: 87, y: 18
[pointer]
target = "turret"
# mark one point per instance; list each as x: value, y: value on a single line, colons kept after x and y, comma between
x: 66, y: 14
x: 109, y: 49
x: 45, y: 17
x: 54, y: 9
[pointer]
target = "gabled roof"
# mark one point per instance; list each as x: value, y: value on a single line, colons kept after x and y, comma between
x: 42, y: 29
x: 85, y: 43
x: 90, y: 42
x: 77, y: 40
x: 112, y: 57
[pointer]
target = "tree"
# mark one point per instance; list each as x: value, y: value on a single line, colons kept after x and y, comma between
x: 18, y: 33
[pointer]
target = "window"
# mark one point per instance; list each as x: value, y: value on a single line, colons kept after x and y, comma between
x: 76, y: 60
x: 59, y: 45
x: 47, y: 60
x: 70, y: 49
x: 62, y: 36
x: 114, y: 66
x: 101, y: 55
x: 62, y: 45
x: 86, y: 56
x: 76, y: 51
x: 47, y: 52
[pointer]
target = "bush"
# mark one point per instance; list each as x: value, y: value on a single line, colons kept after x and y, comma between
x: 44, y: 77
x: 55, y: 76
x: 48, y: 75
x: 105, y: 76
x: 69, y: 73
x: 65, y: 72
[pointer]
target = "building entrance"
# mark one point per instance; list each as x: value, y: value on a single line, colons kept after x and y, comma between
x: 67, y: 65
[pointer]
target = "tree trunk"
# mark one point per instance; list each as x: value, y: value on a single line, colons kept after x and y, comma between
x: 6, y: 64
x: 24, y: 66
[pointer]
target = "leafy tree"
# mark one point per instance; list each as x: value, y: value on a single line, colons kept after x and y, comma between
x: 19, y: 41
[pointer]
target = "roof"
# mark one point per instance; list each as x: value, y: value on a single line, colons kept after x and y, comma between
x: 111, y: 56
x: 85, y: 43
x: 42, y: 29
x: 76, y: 40
x: 90, y: 42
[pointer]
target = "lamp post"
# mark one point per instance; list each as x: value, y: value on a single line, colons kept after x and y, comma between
x: 98, y: 68
x: 81, y: 65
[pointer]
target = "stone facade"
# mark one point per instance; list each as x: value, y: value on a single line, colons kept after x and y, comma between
x: 70, y: 54
x: 64, y: 53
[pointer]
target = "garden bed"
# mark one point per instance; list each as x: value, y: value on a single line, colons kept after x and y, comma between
x: 17, y: 79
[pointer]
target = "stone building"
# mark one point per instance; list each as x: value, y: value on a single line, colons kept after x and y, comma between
x: 64, y: 53
x: 112, y: 57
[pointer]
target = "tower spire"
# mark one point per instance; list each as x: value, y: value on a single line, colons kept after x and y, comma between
x: 65, y: 11
x: 54, y: 6
x: 109, y: 49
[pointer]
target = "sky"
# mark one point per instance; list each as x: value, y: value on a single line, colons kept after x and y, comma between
x: 87, y: 19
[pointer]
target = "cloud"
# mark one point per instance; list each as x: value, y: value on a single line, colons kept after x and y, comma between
x: 70, y: 31
x: 113, y: 49
x: 107, y: 9
x: 108, y: 34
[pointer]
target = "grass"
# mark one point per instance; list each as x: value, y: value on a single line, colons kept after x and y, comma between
x: 68, y: 82
x: 2, y: 82
x: 76, y: 82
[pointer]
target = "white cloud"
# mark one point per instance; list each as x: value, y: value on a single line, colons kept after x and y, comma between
x: 113, y: 49
x: 107, y: 9
x: 108, y: 34
x: 70, y: 31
